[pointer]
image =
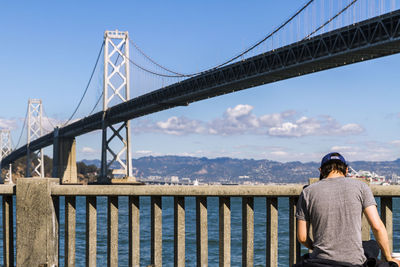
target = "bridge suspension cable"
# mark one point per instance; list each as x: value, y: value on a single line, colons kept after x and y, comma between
x: 48, y: 120
x: 310, y: 12
x: 155, y: 63
x: 265, y: 38
x: 331, y: 19
x: 180, y: 75
x: 87, y: 86
x: 152, y: 72
x: 22, y: 129
x: 98, y: 101
x: 102, y: 92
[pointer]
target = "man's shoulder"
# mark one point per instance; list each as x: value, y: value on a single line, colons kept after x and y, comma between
x: 356, y: 182
x: 342, y: 181
x: 312, y: 187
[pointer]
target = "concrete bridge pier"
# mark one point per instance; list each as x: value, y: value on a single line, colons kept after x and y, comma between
x: 64, y: 159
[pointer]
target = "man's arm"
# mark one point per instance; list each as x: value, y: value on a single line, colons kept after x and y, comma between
x: 379, y: 230
x: 302, y: 233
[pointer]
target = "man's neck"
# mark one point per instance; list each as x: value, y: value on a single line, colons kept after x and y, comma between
x: 335, y: 174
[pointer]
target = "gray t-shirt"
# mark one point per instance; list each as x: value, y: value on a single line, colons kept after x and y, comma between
x: 334, y: 206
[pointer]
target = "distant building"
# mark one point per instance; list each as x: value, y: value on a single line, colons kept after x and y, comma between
x: 174, y: 179
x: 371, y: 177
x: 395, y: 179
x: 186, y: 180
x: 154, y: 177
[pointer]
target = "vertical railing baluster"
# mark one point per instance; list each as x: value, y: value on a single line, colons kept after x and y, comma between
x: 70, y: 221
x: 387, y: 218
x: 201, y: 231
x: 179, y: 231
x: 247, y: 231
x: 294, y: 245
x: 56, y: 205
x: 112, y: 232
x: 134, y: 231
x: 156, y: 231
x: 224, y: 232
x: 8, y: 236
x: 272, y: 232
x: 91, y: 231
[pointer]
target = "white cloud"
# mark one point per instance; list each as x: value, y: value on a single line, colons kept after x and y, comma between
x: 49, y: 124
x: 89, y: 151
x: 8, y: 124
x: 279, y: 153
x: 239, y: 111
x: 370, y: 151
x: 351, y: 128
x: 241, y: 120
x: 275, y: 119
x: 305, y: 126
x: 180, y: 126
x: 144, y: 152
x: 285, y: 129
x: 235, y: 120
x: 301, y: 127
x: 395, y: 142
x: 342, y: 148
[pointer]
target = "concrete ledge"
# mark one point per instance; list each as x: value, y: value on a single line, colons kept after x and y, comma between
x: 203, y: 190
x: 386, y: 190
x: 7, y: 189
x: 176, y: 190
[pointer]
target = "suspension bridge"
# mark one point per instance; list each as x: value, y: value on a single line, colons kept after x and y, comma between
x: 320, y: 35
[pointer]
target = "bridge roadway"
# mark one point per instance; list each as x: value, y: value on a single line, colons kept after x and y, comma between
x: 373, y: 38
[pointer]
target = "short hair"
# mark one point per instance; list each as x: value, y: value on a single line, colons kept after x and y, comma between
x: 333, y: 165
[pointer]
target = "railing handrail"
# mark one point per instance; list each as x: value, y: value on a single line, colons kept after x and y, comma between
x: 178, y: 190
x: 7, y: 189
x: 285, y: 190
x: 385, y: 191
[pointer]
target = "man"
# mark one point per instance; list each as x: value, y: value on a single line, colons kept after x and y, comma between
x: 334, y: 207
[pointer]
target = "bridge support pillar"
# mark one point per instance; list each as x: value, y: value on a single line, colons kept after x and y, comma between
x: 5, y: 149
x: 35, y: 162
x: 116, y: 137
x: 37, y: 223
x: 64, y: 159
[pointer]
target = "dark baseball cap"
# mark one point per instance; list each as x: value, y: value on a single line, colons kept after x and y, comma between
x: 332, y: 156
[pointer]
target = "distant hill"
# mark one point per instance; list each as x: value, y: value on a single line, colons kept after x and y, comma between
x: 239, y: 170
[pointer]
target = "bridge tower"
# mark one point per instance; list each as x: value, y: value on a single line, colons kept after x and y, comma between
x: 34, y: 159
x: 116, y: 91
x: 5, y: 149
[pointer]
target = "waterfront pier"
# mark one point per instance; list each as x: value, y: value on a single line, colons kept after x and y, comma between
x: 37, y: 215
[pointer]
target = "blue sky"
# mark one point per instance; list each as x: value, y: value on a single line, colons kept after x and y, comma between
x: 49, y: 49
